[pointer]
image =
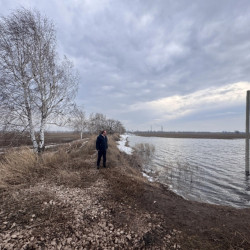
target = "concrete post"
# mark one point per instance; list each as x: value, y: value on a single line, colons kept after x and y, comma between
x: 247, y: 133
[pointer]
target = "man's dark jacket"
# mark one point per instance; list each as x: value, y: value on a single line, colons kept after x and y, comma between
x: 102, y: 143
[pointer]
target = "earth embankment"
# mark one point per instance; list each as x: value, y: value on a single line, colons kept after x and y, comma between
x: 59, y: 200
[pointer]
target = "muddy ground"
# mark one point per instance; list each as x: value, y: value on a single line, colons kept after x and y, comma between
x: 68, y: 204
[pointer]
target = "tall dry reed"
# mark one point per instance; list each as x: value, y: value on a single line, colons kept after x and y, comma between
x: 17, y: 167
x: 143, y: 152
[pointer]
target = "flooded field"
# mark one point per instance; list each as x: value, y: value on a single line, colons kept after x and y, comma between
x: 15, y: 139
x: 206, y: 170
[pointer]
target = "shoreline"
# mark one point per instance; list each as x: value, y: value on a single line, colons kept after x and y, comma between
x: 193, y: 135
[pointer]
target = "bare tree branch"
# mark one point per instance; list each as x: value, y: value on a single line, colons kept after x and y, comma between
x: 36, y: 87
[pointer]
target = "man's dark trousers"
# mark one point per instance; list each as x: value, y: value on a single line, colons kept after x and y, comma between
x: 101, y: 153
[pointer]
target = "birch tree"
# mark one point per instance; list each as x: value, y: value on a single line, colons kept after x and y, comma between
x: 96, y: 122
x: 78, y: 120
x: 36, y: 88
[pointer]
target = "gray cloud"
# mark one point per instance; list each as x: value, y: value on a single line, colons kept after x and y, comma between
x: 130, y: 52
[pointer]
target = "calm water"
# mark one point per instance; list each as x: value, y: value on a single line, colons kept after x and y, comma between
x: 206, y: 170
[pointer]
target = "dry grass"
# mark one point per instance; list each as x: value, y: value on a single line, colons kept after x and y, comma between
x: 71, y: 165
x: 144, y: 149
x: 17, y: 167
x: 16, y: 139
x: 66, y: 166
x: 126, y: 180
x: 143, y: 153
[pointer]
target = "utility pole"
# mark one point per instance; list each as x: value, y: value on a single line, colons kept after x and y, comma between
x: 247, y: 133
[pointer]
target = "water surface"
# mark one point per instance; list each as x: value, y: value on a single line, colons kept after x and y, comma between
x: 206, y: 170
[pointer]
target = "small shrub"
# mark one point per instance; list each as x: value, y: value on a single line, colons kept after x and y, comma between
x: 144, y: 152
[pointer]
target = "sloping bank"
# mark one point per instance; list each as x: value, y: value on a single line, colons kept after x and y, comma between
x: 61, y: 201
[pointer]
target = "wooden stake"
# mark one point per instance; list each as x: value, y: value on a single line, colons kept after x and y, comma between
x: 247, y: 133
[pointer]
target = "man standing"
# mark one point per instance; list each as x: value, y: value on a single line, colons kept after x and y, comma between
x: 101, y: 147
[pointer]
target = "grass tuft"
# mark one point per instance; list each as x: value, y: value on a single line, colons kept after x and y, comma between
x: 17, y: 167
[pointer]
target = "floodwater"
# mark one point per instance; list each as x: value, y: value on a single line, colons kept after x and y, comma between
x: 205, y: 170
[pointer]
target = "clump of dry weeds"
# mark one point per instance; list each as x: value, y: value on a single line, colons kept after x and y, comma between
x: 17, y: 167
x: 143, y: 153
x: 68, y: 165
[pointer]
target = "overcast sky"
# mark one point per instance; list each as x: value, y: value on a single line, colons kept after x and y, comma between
x: 173, y: 64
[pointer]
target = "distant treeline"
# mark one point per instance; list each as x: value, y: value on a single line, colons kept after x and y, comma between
x: 208, y: 135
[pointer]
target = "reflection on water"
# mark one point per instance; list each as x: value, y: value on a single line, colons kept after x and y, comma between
x: 206, y: 170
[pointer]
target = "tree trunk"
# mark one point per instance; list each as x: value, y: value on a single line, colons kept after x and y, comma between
x: 41, y: 136
x: 32, y: 135
x: 29, y: 116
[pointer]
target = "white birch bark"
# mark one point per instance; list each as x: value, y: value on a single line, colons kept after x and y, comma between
x: 29, y: 116
x: 35, y: 87
x: 41, y: 136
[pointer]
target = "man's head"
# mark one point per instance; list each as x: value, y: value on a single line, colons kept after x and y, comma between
x: 103, y: 132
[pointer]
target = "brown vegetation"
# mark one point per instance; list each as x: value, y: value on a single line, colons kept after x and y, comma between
x: 16, y: 139
x: 60, y: 199
x: 205, y: 135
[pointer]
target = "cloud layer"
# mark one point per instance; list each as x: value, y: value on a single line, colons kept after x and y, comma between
x: 208, y: 103
x: 156, y: 63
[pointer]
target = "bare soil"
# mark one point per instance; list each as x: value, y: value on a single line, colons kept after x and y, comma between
x: 73, y: 205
